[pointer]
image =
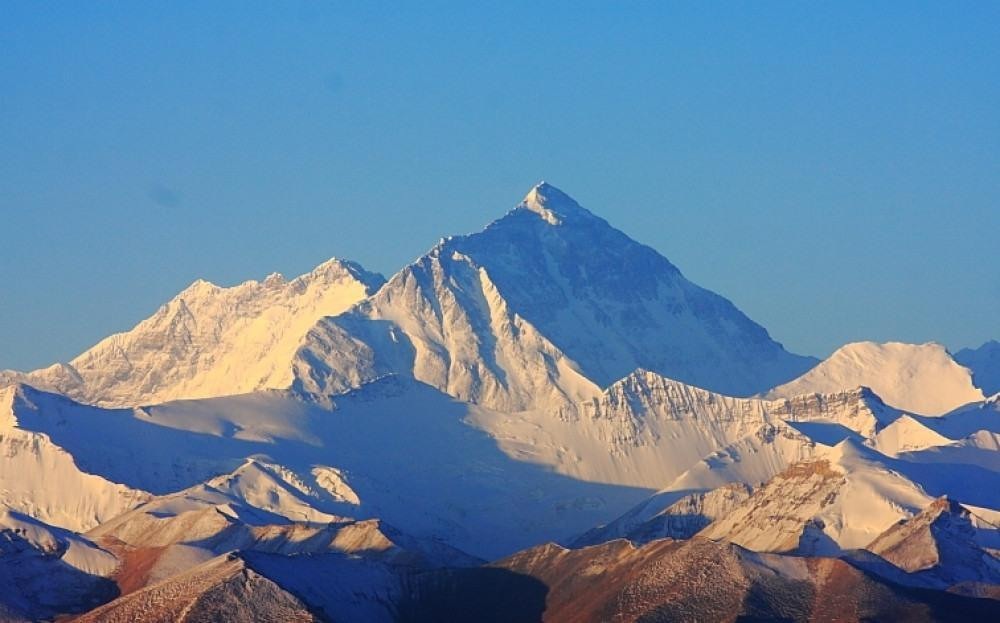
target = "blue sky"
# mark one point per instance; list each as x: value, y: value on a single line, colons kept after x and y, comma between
x: 832, y: 168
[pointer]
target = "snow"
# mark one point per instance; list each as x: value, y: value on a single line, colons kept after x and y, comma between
x: 46, y: 571
x: 920, y: 378
x: 43, y: 480
x: 485, y: 481
x: 512, y: 478
x: 907, y: 434
x: 210, y: 341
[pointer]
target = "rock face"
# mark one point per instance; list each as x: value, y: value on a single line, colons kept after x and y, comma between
x: 838, y: 501
x: 210, y: 341
x: 947, y: 543
x: 921, y: 379
x: 546, y: 305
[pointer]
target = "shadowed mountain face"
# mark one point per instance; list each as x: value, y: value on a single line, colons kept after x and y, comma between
x: 46, y: 571
x: 985, y: 365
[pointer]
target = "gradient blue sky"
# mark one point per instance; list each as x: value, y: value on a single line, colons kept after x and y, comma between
x: 833, y: 168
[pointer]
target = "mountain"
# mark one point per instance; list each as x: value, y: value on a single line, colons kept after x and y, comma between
x: 545, y: 306
x: 667, y: 580
x: 209, y: 341
x: 488, y: 482
x: 922, y: 379
x: 840, y: 500
x: 881, y: 452
x: 258, y: 507
x: 396, y: 450
x: 985, y: 365
x: 645, y: 430
x: 948, y: 543
x: 781, y: 433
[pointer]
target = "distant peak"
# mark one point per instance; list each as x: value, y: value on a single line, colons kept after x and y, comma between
x: 543, y: 193
x: 331, y: 268
x: 552, y: 204
x: 274, y: 279
x: 198, y: 287
x: 336, y: 268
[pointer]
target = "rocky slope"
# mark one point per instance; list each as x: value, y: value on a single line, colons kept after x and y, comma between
x: 947, y: 544
x: 220, y: 589
x: 46, y: 571
x: 680, y: 520
x: 840, y: 500
x: 694, y: 580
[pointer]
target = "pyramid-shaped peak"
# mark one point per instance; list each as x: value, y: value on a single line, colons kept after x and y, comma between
x: 552, y: 204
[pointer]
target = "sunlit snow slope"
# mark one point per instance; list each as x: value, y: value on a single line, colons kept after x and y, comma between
x: 919, y: 378
x: 210, y: 341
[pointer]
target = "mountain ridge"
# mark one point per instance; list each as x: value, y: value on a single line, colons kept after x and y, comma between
x: 208, y: 340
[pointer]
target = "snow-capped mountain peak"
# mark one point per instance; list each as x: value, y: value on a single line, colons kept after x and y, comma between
x: 535, y: 311
x: 552, y: 204
x: 919, y: 378
x: 210, y: 340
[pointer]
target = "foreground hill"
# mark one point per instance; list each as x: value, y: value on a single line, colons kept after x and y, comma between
x: 666, y: 580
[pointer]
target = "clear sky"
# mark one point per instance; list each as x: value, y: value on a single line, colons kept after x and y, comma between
x: 832, y: 168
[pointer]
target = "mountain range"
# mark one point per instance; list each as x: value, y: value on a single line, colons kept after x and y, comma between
x: 541, y: 420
